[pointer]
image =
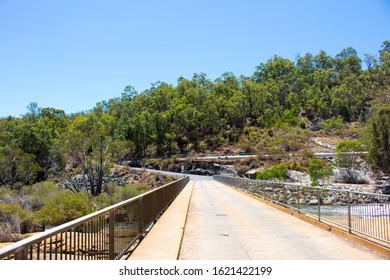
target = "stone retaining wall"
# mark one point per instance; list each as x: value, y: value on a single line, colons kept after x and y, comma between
x: 288, y: 194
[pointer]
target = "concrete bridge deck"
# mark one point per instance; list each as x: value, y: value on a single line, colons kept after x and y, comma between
x: 211, y: 221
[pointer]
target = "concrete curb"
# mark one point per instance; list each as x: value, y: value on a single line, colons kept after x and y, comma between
x: 164, y: 240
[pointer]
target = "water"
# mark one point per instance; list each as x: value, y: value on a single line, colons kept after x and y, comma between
x: 361, y: 210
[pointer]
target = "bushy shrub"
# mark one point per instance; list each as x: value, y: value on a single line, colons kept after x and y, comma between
x: 38, y: 194
x: 307, y: 153
x: 318, y: 170
x: 117, y: 194
x: 294, y: 165
x: 346, y: 157
x: 102, y: 201
x: 126, y: 192
x: 334, y: 123
x: 278, y: 171
x: 64, y: 207
x: 15, y: 220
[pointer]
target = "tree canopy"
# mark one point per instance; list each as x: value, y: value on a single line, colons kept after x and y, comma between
x: 199, y: 115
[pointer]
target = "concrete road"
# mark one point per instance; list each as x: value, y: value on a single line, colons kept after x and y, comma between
x: 178, y: 175
x: 224, y: 224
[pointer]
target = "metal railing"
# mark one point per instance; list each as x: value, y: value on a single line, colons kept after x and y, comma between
x: 365, y: 214
x: 107, y: 234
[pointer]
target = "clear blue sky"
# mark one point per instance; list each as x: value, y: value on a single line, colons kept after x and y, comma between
x: 71, y: 54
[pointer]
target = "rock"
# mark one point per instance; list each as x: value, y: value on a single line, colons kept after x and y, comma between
x: 316, y: 124
x: 313, y: 202
x: 325, y: 145
x: 339, y: 203
x: 297, y: 176
x: 359, y: 177
x: 292, y: 200
x: 328, y: 201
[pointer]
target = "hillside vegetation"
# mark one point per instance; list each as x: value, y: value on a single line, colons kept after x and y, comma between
x: 279, y: 110
x: 199, y: 115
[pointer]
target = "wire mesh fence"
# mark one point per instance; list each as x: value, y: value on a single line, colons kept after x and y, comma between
x: 366, y: 214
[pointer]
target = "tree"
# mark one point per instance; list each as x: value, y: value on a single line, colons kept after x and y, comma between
x: 323, y: 60
x: 347, y: 156
x: 318, y: 170
x: 384, y: 64
x: 371, y: 61
x: 129, y: 92
x: 88, y: 144
x: 379, y: 140
x: 17, y: 166
x: 277, y: 68
x: 384, y: 57
x: 33, y: 109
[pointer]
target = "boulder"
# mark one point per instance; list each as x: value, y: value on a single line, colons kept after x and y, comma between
x: 292, y: 200
x: 328, y: 201
x: 313, y: 202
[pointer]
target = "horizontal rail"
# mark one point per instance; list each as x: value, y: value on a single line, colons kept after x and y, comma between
x: 104, y: 234
x: 365, y: 214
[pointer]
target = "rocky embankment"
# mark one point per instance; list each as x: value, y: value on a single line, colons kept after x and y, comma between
x: 334, y: 195
x: 122, y: 175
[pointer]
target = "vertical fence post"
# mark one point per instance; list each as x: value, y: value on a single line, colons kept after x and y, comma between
x: 299, y: 204
x: 349, y: 211
x: 22, y: 254
x: 273, y: 193
x: 343, y: 221
x: 141, y: 217
x: 111, y: 235
x: 319, y: 204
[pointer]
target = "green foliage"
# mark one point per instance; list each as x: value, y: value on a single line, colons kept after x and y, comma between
x: 294, y: 165
x: 333, y: 123
x: 88, y: 141
x: 379, y: 139
x: 17, y: 166
x: 318, y: 170
x: 307, y: 153
x: 346, y: 155
x: 64, y: 207
x: 200, y: 115
x: 37, y: 195
x: 278, y: 171
x: 129, y: 191
x: 15, y: 219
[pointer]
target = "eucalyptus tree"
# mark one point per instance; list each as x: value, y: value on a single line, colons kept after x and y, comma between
x: 87, y: 147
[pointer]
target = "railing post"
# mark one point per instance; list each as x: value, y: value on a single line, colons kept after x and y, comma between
x: 22, y: 254
x: 319, y: 204
x: 273, y: 193
x: 111, y: 235
x: 141, y: 216
x: 349, y: 211
x: 299, y: 204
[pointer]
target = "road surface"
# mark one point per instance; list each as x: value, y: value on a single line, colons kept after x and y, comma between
x: 224, y: 224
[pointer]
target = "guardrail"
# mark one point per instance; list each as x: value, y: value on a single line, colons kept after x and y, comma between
x: 365, y: 214
x: 107, y: 234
